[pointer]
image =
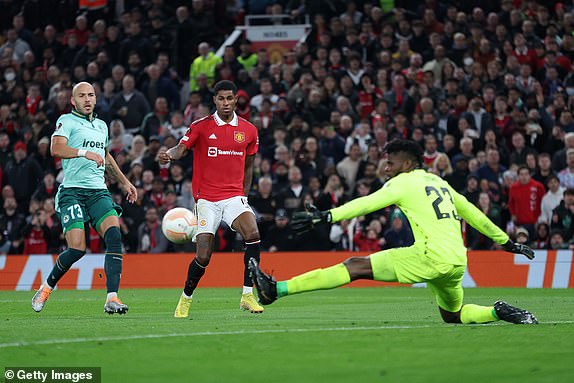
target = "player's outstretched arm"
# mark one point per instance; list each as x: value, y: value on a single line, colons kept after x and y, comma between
x: 477, y: 219
x: 518, y: 248
x: 114, y: 170
x: 304, y: 221
x: 59, y: 148
x: 173, y: 154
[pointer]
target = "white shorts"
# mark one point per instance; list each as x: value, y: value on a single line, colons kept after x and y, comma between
x: 210, y: 214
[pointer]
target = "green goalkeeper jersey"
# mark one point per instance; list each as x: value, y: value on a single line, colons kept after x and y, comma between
x: 92, y: 136
x: 434, y: 210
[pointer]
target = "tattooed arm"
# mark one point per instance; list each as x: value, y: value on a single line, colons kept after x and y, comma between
x: 115, y: 172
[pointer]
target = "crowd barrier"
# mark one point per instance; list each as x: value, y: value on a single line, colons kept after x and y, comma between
x: 550, y: 269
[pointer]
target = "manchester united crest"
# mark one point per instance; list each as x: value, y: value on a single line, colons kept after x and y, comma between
x: 239, y: 136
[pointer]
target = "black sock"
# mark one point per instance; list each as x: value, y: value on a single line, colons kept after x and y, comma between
x: 194, y: 274
x: 65, y: 260
x: 252, y: 250
x: 113, y: 260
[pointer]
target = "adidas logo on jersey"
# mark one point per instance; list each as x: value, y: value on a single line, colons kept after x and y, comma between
x: 213, y: 136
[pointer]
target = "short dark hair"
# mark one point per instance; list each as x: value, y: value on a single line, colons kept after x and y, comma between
x: 522, y: 167
x: 552, y: 177
x: 225, y: 85
x: 406, y: 146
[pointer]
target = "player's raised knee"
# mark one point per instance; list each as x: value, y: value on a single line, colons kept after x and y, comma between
x: 359, y: 268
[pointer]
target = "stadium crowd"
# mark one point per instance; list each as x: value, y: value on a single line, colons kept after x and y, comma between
x: 485, y: 87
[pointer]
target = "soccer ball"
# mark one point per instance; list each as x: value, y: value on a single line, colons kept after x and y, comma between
x: 179, y: 225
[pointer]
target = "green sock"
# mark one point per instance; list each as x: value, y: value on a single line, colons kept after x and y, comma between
x: 477, y: 314
x: 65, y: 260
x: 319, y: 279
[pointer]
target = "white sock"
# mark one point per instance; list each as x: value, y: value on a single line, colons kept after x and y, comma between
x: 112, y: 295
x: 46, y: 284
x: 185, y: 296
x: 247, y: 290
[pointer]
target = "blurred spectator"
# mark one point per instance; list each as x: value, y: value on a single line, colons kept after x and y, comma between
x: 525, y: 198
x: 399, y: 234
x: 566, y: 176
x: 136, y: 42
x: 191, y: 112
x: 5, y: 152
x: 331, y: 144
x: 520, y: 152
x: 368, y: 242
x: 471, y: 191
x: 492, y: 171
x: 149, y: 157
x: 557, y: 241
x: 264, y: 204
x: 291, y: 197
x: 157, y: 86
x: 466, y: 150
x: 43, y: 156
x: 523, y: 236
x: 176, y: 177
x: 55, y: 237
x: 280, y: 237
x: 349, y: 167
x: 441, y: 166
x: 476, y: 240
x: 204, y: 64
x: 11, y: 225
x: 551, y: 199
x: 87, y: 53
x: 36, y: 234
x: 156, y: 121
x: 265, y: 93
x: 15, y: 45
x: 48, y: 188
x: 563, y: 215
x: 559, y: 158
x: 544, y: 169
x: 361, y: 136
x: 118, y: 130
x: 150, y: 235
x: 542, y: 236
x: 130, y: 105
x: 184, y: 43
x: 23, y: 174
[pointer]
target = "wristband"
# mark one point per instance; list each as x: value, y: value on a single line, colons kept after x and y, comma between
x: 82, y: 152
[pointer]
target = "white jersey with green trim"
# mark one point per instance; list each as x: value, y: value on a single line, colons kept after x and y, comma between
x: 83, y: 134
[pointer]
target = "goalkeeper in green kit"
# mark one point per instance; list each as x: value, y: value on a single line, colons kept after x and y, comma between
x: 437, y: 257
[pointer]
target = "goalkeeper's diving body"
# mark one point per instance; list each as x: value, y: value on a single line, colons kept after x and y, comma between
x: 437, y: 257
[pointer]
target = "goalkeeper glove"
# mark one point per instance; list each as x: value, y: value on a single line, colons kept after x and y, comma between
x: 518, y: 248
x: 303, y: 221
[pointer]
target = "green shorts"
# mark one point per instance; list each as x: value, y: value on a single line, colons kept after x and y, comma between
x: 75, y: 206
x: 411, y: 265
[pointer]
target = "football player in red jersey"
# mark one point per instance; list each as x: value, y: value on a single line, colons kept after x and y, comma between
x: 224, y: 147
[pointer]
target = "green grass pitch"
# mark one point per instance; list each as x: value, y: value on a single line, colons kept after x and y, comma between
x: 342, y: 335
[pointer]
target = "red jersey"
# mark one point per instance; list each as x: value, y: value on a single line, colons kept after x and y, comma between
x: 524, y: 201
x: 219, y: 154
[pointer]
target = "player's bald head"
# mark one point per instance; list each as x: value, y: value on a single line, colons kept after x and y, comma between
x: 85, y: 86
